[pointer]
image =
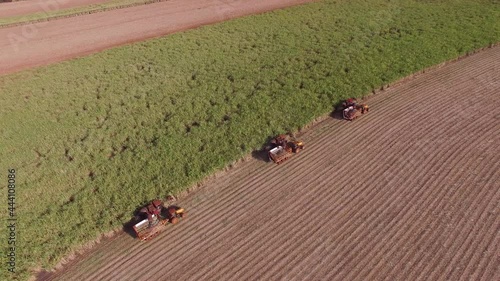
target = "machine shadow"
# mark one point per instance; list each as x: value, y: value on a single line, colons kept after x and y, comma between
x: 262, y: 153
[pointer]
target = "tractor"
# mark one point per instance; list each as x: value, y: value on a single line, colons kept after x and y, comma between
x: 352, y: 110
x: 154, y: 217
x: 282, y: 148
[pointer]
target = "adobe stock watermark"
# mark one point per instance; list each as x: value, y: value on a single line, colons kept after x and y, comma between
x: 26, y: 32
x: 11, y: 221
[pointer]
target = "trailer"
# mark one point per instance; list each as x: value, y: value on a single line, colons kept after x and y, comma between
x: 284, y: 149
x: 278, y: 154
x: 351, y: 109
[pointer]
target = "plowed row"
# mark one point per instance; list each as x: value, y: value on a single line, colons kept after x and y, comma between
x: 409, y: 191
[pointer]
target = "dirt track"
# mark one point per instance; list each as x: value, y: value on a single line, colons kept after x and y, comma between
x: 53, y: 41
x: 410, y: 191
x: 40, y: 6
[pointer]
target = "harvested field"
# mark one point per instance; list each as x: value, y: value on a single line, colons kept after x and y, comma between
x: 409, y: 191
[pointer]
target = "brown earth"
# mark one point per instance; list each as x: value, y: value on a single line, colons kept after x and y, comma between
x: 409, y: 191
x: 52, y: 41
x: 41, y: 6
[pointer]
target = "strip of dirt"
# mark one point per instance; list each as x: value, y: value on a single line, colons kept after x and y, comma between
x: 41, y: 6
x: 53, y: 41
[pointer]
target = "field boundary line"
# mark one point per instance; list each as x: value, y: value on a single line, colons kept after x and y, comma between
x: 97, y: 10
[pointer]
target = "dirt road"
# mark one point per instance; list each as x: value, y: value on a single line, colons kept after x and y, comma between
x: 41, y: 6
x: 48, y: 42
x: 410, y: 191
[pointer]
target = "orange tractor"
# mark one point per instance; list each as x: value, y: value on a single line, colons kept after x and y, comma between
x: 154, y: 217
x: 351, y: 109
x: 282, y: 148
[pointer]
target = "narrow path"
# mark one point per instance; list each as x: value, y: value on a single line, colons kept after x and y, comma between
x: 27, y: 7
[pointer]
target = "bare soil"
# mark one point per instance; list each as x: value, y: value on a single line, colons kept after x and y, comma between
x: 409, y: 191
x: 41, y: 6
x: 42, y: 43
